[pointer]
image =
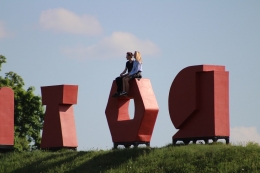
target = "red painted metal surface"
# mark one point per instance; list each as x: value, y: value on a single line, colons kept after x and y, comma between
x: 140, y: 128
x: 6, y: 117
x: 199, y: 102
x: 59, y: 130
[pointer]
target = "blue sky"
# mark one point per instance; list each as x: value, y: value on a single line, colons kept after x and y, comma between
x: 84, y: 43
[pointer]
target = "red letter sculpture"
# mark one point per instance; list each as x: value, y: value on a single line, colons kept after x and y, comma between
x: 6, y: 118
x: 126, y: 131
x: 199, y: 104
x: 59, y: 129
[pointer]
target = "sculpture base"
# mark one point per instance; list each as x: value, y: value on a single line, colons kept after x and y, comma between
x: 186, y: 141
x: 6, y: 148
x: 128, y: 144
x: 59, y: 148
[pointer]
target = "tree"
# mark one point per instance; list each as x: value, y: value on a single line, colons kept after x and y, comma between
x: 28, y: 111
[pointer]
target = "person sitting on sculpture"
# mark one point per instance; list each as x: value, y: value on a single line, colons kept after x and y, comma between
x: 136, y: 72
x: 128, y: 69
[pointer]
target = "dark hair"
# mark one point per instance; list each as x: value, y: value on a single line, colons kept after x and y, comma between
x: 129, y: 53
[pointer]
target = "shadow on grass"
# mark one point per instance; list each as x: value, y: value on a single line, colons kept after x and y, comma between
x: 108, y: 161
x: 92, y: 161
x: 48, y: 163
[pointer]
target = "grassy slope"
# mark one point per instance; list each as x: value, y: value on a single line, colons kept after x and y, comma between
x: 191, y: 158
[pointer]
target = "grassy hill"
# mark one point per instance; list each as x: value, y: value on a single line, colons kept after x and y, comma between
x: 192, y: 158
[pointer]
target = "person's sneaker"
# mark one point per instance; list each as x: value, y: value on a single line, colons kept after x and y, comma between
x: 123, y: 93
x: 115, y: 95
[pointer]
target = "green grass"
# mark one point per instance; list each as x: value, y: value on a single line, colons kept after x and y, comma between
x: 192, y: 158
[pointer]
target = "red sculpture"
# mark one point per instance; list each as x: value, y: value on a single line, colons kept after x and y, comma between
x: 59, y: 129
x: 126, y: 131
x: 199, y: 104
x: 6, y: 118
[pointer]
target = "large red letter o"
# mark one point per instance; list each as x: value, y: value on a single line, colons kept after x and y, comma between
x: 138, y: 130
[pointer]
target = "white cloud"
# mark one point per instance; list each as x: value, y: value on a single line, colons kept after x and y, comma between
x: 3, y: 32
x: 244, y: 134
x: 113, y: 46
x: 62, y: 20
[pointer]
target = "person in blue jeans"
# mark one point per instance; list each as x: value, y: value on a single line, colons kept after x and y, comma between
x: 136, y: 72
x: 128, y: 69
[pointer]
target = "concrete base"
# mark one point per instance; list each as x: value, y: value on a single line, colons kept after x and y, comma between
x: 186, y: 141
x: 128, y: 144
x: 6, y: 148
x: 59, y: 148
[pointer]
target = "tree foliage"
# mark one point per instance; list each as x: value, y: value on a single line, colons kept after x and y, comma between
x: 28, y: 111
